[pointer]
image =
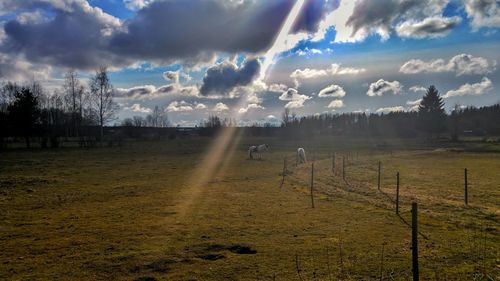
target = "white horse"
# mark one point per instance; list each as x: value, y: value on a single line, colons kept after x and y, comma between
x: 257, y: 149
x: 301, y: 156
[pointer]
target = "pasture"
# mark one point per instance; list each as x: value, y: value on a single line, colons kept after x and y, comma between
x: 145, y: 212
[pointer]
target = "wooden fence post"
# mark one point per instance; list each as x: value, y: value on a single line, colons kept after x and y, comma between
x: 397, y: 193
x: 466, y: 195
x: 333, y: 163
x: 312, y: 185
x: 378, y: 179
x: 284, y: 172
x: 343, y: 167
x: 414, y: 240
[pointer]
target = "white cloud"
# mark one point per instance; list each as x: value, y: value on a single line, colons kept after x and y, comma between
x: 334, y: 69
x: 308, y: 73
x: 200, y: 106
x: 149, y: 92
x: 307, y: 52
x: 390, y: 109
x: 413, y: 104
x: 295, y: 100
x: 138, y: 92
x: 220, y: 107
x: 382, y: 86
x: 336, y: 104
x: 417, y: 89
x: 253, y: 98
x: 244, y: 110
x: 296, y: 103
x: 484, y: 13
x: 338, y: 19
x: 181, y: 106
x: 460, y: 64
x: 277, y: 88
x: 172, y: 76
x: 135, y: 5
x: 18, y: 69
x: 332, y: 91
x: 431, y: 27
x: 138, y: 108
x: 476, y: 89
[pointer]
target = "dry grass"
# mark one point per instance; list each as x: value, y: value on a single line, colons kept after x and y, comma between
x: 114, y: 214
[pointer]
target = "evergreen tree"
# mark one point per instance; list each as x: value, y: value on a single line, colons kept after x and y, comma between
x: 24, y: 114
x: 431, y: 114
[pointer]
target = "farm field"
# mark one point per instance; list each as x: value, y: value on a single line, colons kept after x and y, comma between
x: 163, y: 211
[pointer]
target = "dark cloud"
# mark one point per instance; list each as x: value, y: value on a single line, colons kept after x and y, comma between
x: 313, y: 12
x: 223, y: 77
x: 179, y: 29
x: 166, y: 29
x: 75, y: 35
x: 381, y: 15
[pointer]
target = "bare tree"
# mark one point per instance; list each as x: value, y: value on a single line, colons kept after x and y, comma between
x: 128, y: 122
x: 455, y: 121
x: 156, y: 117
x: 74, y: 91
x: 164, y: 121
x: 7, y: 92
x: 139, y: 121
x: 101, y: 101
x: 149, y: 120
x: 285, y: 117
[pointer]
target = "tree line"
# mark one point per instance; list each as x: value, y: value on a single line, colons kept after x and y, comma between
x: 430, y: 120
x: 28, y: 111
x: 81, y: 112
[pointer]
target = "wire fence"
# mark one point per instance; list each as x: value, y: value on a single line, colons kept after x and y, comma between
x: 329, y: 176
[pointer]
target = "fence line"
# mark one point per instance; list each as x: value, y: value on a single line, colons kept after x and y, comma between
x: 362, y: 192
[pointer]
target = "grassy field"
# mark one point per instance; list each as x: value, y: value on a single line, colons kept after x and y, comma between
x: 165, y: 211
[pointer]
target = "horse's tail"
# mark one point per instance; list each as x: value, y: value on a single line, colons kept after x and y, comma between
x: 250, y: 156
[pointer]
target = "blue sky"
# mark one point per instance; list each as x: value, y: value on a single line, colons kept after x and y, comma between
x: 194, y: 58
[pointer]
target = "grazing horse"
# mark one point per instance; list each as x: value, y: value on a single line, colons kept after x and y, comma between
x: 257, y: 149
x: 301, y: 156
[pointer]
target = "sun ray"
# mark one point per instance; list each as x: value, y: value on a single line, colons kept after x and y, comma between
x: 281, y: 41
x: 218, y: 156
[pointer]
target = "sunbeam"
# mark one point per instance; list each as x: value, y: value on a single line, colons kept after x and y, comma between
x: 218, y: 156
x: 282, y: 41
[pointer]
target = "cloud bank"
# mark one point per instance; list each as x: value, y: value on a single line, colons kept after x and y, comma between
x: 463, y: 64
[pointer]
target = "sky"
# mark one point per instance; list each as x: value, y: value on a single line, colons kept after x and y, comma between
x: 251, y: 59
